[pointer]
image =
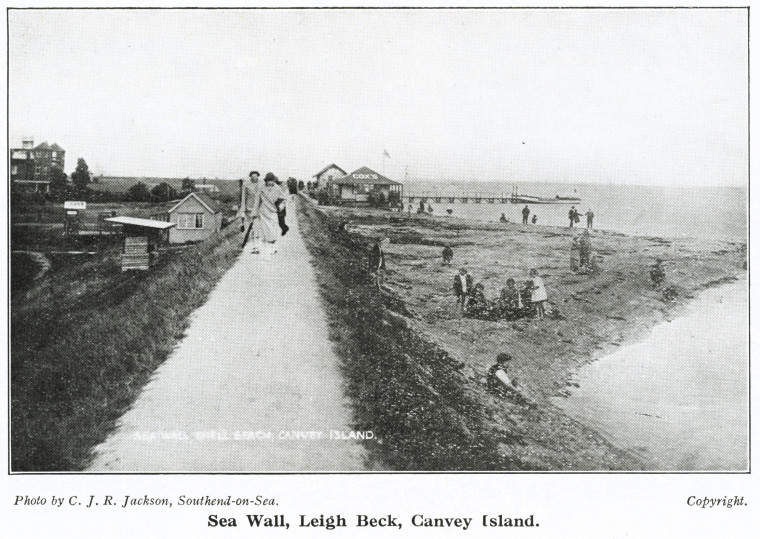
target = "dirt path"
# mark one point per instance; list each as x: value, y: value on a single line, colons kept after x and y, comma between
x: 253, y: 386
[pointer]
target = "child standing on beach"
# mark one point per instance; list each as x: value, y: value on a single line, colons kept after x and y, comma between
x: 538, y: 296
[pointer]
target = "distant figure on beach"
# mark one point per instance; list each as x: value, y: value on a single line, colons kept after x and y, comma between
x: 589, y: 219
x: 503, y: 218
x: 410, y: 210
x: 657, y: 273
x: 525, y: 214
x: 430, y: 208
x: 538, y: 296
x: 510, y: 302
x: 497, y: 380
x: 448, y: 254
x: 575, y: 255
x: 574, y: 216
x: 462, y: 288
x: 377, y: 261
x: 422, y: 207
x: 585, y: 249
x: 534, y: 220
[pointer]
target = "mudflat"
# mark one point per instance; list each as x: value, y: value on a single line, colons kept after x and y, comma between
x: 588, y: 316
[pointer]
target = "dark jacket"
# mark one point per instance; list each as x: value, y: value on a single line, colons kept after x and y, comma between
x: 458, y: 284
x: 376, y: 258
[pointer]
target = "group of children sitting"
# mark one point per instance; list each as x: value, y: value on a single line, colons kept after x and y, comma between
x: 513, y: 302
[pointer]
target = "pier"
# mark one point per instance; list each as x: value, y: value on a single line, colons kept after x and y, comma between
x: 488, y: 198
x: 465, y: 198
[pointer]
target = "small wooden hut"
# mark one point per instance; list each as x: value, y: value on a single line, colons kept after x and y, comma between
x: 142, y: 238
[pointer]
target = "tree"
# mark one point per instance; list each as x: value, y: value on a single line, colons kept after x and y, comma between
x: 163, y: 192
x: 138, y: 193
x: 81, y: 176
x: 59, y: 183
x: 188, y: 185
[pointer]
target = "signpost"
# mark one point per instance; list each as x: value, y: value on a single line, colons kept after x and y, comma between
x: 74, y: 205
x: 72, y: 223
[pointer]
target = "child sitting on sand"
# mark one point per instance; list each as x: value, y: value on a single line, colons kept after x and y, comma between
x: 497, y: 380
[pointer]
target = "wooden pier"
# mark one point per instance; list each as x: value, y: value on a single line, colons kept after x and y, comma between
x: 465, y: 198
x: 489, y: 198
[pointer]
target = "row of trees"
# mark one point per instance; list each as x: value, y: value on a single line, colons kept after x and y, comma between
x: 77, y: 187
x: 62, y: 189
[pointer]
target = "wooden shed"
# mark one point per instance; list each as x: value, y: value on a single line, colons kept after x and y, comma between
x: 142, y: 238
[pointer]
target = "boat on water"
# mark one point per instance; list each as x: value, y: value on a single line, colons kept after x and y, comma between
x: 516, y: 198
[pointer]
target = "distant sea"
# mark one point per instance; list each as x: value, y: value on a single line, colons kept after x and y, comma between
x: 710, y: 212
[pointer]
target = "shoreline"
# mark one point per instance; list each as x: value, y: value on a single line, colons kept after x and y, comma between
x: 616, y: 307
x: 704, y: 374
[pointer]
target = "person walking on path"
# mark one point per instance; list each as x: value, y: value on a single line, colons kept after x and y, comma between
x: 525, y: 214
x: 266, y: 206
x: 462, y: 288
x: 589, y: 219
x: 247, y: 198
x: 538, y: 295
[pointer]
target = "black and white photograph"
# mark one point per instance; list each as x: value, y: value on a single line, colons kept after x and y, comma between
x: 309, y: 241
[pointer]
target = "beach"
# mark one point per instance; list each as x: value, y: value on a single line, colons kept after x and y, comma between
x: 588, y: 317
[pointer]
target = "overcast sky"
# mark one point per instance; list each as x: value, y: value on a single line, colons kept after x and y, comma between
x: 625, y: 96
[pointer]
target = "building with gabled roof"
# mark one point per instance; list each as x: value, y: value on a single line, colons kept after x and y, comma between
x: 329, y: 173
x: 197, y: 216
x: 357, y: 186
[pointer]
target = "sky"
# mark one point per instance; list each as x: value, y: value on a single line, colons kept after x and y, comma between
x: 611, y: 96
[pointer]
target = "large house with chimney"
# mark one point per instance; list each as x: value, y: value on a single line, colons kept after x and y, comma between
x: 32, y: 166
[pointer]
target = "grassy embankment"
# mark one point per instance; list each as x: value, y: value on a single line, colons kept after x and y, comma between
x: 86, y: 337
x: 409, y: 392
x: 589, y: 317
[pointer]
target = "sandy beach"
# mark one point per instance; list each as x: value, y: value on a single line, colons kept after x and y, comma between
x: 589, y: 316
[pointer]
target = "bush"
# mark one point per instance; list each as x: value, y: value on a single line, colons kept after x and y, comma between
x: 376, y: 199
x: 138, y: 193
x: 323, y: 197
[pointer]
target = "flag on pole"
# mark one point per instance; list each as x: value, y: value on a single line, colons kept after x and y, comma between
x: 386, y: 154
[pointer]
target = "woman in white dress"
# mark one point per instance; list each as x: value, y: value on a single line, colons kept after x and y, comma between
x: 538, y: 296
x: 265, y: 206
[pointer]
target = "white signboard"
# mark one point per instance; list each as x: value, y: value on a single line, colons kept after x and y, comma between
x: 74, y: 205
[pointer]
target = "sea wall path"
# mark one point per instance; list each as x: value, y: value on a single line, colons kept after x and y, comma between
x: 253, y: 386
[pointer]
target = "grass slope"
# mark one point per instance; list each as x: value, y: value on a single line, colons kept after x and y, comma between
x: 86, y: 338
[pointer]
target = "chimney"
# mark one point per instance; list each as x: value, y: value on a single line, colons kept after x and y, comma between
x: 27, y: 143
